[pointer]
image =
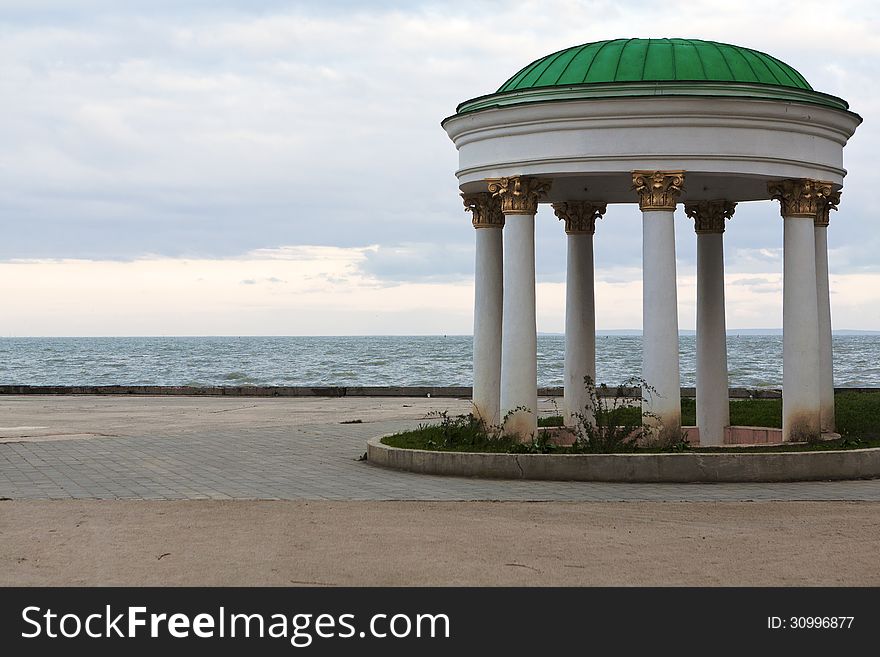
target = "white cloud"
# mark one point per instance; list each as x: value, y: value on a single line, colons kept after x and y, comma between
x: 289, y: 291
x: 325, y: 291
x: 209, y: 130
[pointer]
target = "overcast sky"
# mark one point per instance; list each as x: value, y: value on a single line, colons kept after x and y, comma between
x: 265, y: 167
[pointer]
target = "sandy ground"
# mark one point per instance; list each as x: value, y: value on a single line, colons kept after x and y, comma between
x: 438, y: 543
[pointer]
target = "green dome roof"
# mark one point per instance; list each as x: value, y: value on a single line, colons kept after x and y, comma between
x: 655, y: 60
x: 654, y: 67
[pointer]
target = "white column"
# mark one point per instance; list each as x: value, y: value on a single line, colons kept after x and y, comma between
x: 658, y: 191
x: 580, y: 306
x: 800, y: 330
x: 488, y: 295
x: 823, y: 296
x: 800, y: 315
x: 519, y: 337
x: 713, y: 403
x: 580, y: 326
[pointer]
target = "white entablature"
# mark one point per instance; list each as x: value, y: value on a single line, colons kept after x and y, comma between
x: 730, y: 147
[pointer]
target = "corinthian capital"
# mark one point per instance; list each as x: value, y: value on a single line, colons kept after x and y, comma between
x: 824, y: 215
x: 658, y: 190
x: 800, y: 197
x: 579, y: 216
x: 518, y: 194
x: 486, y: 210
x: 709, y: 216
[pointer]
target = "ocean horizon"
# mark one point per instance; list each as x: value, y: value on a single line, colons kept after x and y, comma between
x: 623, y: 331
x: 754, y: 360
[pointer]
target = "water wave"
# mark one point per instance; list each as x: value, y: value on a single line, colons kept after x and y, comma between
x: 754, y: 360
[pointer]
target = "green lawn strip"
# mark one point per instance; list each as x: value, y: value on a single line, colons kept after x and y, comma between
x: 858, y: 414
x: 743, y: 413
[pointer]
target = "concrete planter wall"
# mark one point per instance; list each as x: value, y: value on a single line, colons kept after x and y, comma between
x: 653, y: 468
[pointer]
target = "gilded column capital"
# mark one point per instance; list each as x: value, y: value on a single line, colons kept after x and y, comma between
x: 486, y: 210
x: 709, y: 216
x: 800, y: 197
x: 518, y: 194
x: 658, y: 190
x: 824, y: 215
x: 579, y: 216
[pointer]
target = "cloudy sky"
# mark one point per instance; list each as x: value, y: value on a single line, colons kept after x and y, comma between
x: 188, y: 167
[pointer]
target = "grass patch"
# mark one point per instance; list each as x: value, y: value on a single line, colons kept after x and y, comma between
x: 743, y: 412
x: 757, y: 413
x: 431, y: 437
x: 460, y: 433
x: 857, y: 417
x: 858, y: 414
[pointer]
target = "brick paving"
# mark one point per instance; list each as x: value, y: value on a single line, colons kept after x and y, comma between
x: 312, y: 462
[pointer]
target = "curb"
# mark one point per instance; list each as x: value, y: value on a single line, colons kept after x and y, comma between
x: 635, y: 468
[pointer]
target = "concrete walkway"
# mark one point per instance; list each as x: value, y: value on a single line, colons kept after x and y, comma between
x: 279, y: 449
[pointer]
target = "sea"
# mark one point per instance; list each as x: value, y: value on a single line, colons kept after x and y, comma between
x: 439, y: 360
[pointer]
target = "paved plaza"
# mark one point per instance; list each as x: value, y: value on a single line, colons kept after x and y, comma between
x: 176, y: 448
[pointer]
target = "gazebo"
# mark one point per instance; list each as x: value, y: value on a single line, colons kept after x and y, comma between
x: 658, y: 122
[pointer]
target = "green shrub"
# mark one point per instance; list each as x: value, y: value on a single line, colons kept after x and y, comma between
x: 610, y: 423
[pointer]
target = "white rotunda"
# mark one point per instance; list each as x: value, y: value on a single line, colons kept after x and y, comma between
x: 661, y: 122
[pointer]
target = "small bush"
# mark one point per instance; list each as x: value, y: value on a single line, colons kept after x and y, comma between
x: 610, y: 423
x: 542, y: 444
x: 455, y: 433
